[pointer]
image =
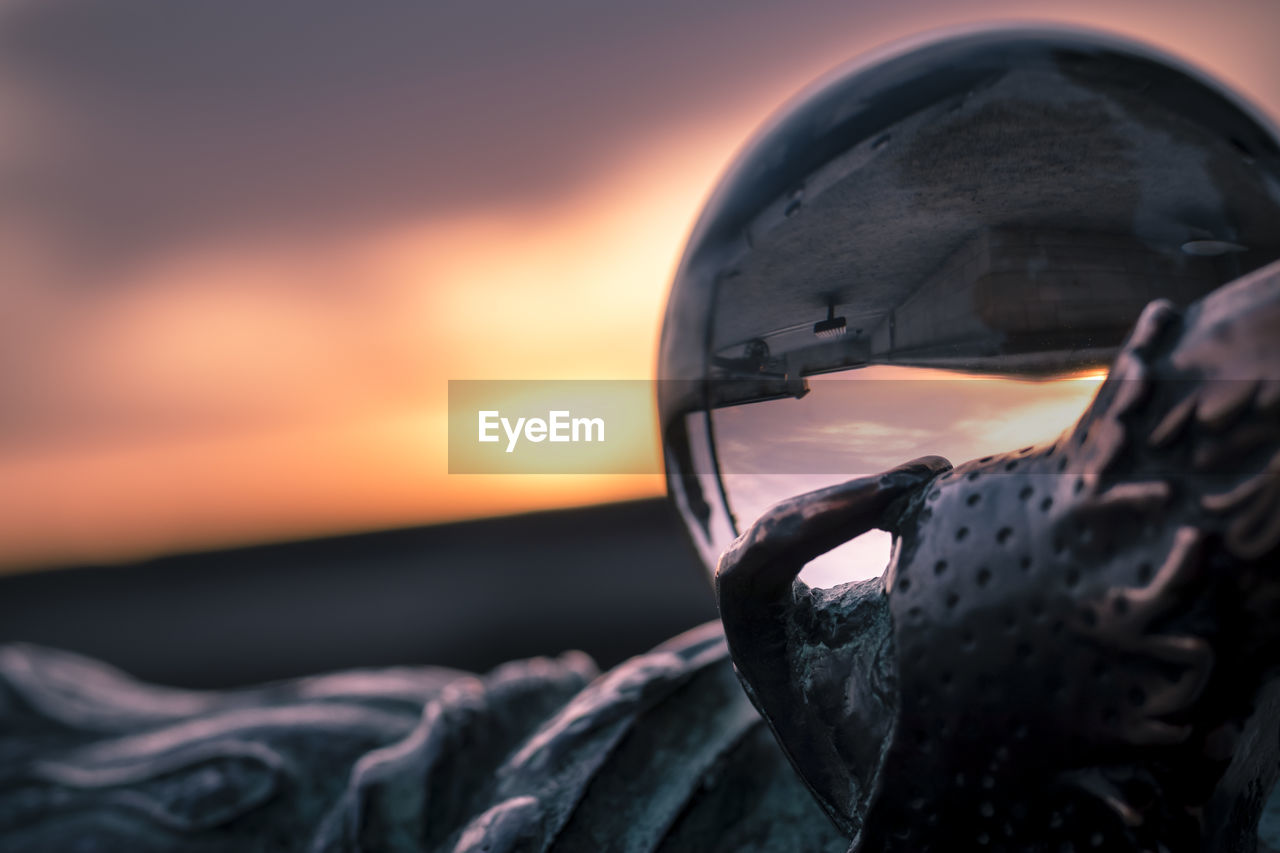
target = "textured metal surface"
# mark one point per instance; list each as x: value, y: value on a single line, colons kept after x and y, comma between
x: 1082, y: 631
x: 662, y: 753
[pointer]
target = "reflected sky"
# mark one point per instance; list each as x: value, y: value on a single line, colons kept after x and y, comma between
x: 862, y: 422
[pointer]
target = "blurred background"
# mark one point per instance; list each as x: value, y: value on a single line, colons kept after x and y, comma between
x: 244, y: 246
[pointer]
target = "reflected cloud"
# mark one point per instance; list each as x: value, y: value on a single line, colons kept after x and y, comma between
x: 774, y: 450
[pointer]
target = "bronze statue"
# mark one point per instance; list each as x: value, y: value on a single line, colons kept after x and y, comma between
x: 662, y: 752
x: 1071, y: 648
x: 1073, y: 643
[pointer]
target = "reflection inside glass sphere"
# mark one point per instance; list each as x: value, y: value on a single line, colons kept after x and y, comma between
x: 868, y: 420
x: 940, y: 253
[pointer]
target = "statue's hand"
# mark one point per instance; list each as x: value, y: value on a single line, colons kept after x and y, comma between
x: 761, y: 564
x: 791, y: 677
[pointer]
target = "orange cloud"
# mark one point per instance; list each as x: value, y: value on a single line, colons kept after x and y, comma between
x: 234, y: 396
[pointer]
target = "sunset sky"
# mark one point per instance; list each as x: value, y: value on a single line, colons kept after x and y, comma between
x: 244, y: 246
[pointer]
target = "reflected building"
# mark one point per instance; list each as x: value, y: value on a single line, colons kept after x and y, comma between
x: 1000, y: 205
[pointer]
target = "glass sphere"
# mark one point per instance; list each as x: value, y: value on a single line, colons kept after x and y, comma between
x: 939, y: 251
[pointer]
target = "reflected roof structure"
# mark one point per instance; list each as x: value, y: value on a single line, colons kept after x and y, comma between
x: 1000, y: 202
